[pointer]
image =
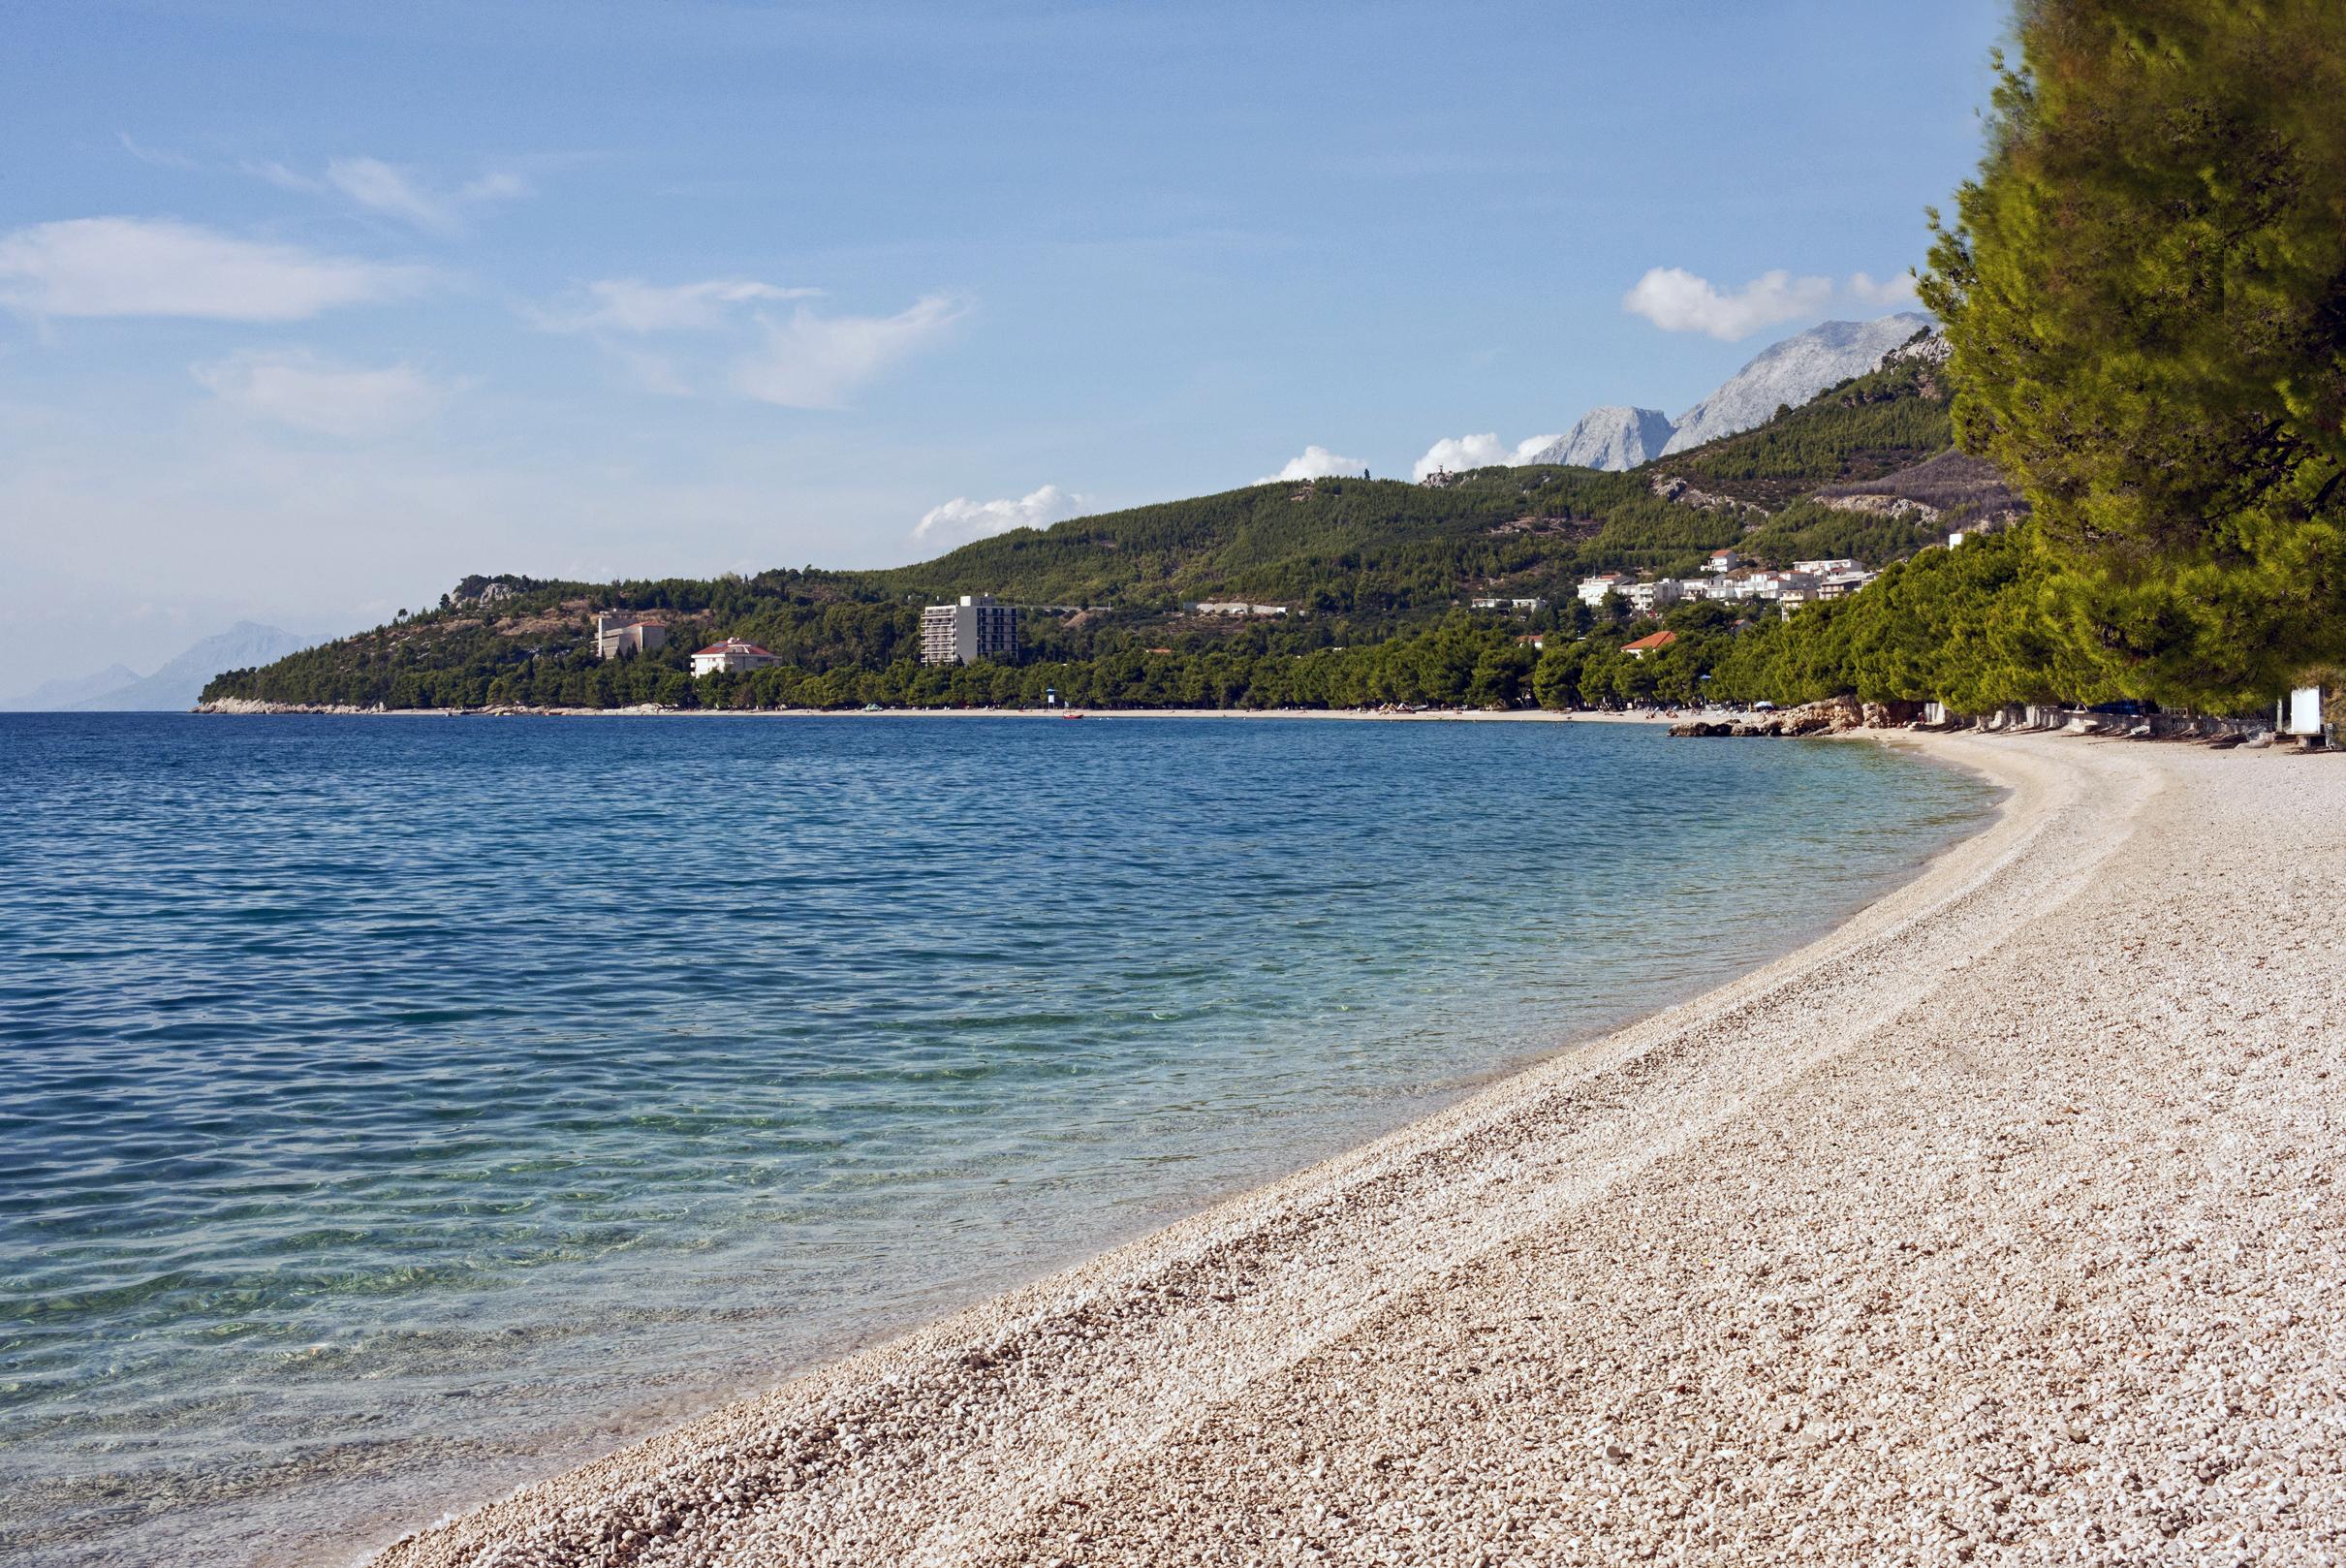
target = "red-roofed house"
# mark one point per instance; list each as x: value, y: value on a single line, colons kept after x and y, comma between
x: 1653, y: 643
x: 731, y: 654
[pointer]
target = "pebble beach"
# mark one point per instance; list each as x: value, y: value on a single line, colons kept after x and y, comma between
x: 2001, y: 1224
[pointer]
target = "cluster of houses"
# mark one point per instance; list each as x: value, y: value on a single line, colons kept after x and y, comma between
x: 1725, y: 577
x: 618, y: 634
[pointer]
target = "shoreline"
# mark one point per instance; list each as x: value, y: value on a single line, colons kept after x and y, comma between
x: 1065, y: 1418
x: 1364, y: 714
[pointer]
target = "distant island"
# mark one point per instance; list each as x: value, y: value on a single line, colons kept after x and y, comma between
x: 175, y: 686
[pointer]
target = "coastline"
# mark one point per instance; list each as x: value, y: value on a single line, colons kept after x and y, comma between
x: 1265, y: 1366
x: 243, y: 709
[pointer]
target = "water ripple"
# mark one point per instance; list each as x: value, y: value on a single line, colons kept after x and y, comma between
x: 566, y: 1074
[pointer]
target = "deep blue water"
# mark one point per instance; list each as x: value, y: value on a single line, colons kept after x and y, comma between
x: 397, y: 1109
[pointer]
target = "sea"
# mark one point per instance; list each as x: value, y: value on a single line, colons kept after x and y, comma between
x: 396, y: 1110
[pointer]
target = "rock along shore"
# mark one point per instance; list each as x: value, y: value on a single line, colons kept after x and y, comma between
x: 2002, y: 1224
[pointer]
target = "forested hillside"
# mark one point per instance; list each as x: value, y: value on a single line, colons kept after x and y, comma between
x: 1358, y: 562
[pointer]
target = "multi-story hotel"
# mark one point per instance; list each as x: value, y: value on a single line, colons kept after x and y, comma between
x: 615, y: 634
x: 976, y: 628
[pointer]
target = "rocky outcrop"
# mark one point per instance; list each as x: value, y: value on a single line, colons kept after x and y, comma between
x: 1671, y: 487
x: 253, y: 704
x: 487, y: 590
x: 1954, y: 486
x: 1928, y: 346
x: 1886, y: 506
x: 1834, y: 715
x: 1791, y: 373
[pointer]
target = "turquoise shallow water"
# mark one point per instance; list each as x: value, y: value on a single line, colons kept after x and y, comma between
x: 396, y: 1110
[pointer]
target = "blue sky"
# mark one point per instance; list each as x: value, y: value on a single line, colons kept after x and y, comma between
x: 308, y: 311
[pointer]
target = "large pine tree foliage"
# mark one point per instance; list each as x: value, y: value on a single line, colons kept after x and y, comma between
x: 2145, y: 291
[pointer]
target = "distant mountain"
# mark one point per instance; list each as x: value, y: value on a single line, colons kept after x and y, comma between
x: 67, y: 690
x: 176, y: 686
x: 1791, y: 372
x: 1613, y: 437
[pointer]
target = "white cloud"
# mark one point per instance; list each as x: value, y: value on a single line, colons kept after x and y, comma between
x: 1316, y: 463
x: 804, y: 360
x: 298, y: 389
x: 632, y: 305
x: 142, y: 267
x: 1676, y: 301
x: 397, y: 192
x: 1888, y: 295
x: 1461, y: 453
x: 379, y: 187
x: 960, y: 518
x: 815, y: 362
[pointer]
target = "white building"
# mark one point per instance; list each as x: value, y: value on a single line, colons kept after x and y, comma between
x: 1594, y: 589
x: 1778, y: 585
x: 1524, y: 605
x: 1647, y: 597
x: 1821, y: 569
x: 1232, y: 606
x: 976, y: 628
x: 615, y: 634
x: 1723, y: 561
x: 1841, y: 584
x: 732, y: 655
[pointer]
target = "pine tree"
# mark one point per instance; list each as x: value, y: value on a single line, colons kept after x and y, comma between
x: 2145, y: 294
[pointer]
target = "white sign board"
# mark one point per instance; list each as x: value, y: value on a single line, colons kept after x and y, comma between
x: 2301, y: 712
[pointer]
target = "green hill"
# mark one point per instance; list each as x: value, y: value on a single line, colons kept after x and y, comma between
x: 1356, y: 561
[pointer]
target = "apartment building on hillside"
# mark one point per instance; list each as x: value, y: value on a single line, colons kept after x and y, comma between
x: 976, y: 628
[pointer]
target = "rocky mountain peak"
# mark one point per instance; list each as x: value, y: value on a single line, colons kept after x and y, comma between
x: 1615, y: 437
x: 1791, y: 372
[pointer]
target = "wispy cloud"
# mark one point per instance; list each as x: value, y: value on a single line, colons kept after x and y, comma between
x: 395, y: 191
x: 160, y: 157
x: 960, y: 518
x: 295, y: 388
x: 1461, y: 453
x: 804, y: 359
x: 811, y: 360
x: 1678, y: 301
x: 145, y: 266
x: 380, y: 187
x: 1315, y: 462
x: 632, y: 305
